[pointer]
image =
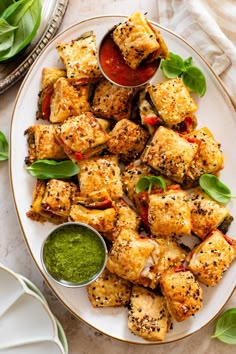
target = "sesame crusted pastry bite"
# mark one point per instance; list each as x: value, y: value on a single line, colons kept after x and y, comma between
x: 135, y: 258
x: 131, y: 174
x: 109, y: 290
x: 137, y: 40
x: 207, y: 214
x: 52, y: 201
x: 101, y: 220
x: 42, y: 144
x: 68, y: 100
x: 212, y: 257
x: 81, y: 136
x: 80, y: 58
x: 148, y: 316
x: 170, y: 154
x: 111, y: 101
x: 182, y: 293
x: 127, y: 140
x: 209, y: 158
x: 172, y: 101
x: 169, y: 213
x: 100, y: 172
x: 50, y: 75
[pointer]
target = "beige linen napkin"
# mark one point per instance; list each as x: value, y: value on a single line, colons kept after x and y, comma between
x: 209, y: 26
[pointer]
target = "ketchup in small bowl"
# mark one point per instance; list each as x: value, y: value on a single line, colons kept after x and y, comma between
x: 115, y: 69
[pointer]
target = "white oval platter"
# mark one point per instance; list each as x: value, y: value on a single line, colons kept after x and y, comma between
x: 215, y: 111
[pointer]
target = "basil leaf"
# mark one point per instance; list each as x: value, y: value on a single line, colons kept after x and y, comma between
x: 192, y: 76
x: 173, y: 66
x: 47, y: 169
x: 6, y: 35
x: 142, y: 184
x: 4, y: 4
x: 4, y: 148
x: 146, y: 183
x: 215, y: 188
x: 194, y: 79
x: 26, y: 15
x: 225, y: 329
x: 188, y: 62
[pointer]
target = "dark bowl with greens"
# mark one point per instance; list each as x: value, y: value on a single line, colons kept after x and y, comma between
x: 74, y: 254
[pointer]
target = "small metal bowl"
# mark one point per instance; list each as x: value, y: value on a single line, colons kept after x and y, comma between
x: 51, y: 254
x: 125, y: 77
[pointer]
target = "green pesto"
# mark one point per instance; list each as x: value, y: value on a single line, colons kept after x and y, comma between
x: 73, y: 253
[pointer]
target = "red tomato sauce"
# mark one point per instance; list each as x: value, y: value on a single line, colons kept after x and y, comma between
x: 116, y: 69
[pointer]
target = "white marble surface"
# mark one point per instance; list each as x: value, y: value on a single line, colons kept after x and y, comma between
x: 13, y: 251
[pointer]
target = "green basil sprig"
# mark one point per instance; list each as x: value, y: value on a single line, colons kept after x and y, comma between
x: 4, y: 148
x: 146, y: 183
x: 215, y: 188
x: 192, y: 76
x: 225, y: 329
x: 47, y: 169
x: 19, y: 22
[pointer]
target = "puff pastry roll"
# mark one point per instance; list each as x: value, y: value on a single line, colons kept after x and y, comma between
x: 111, y: 101
x: 50, y: 75
x: 169, y: 213
x: 131, y: 174
x: 148, y: 316
x: 127, y: 139
x: 109, y: 290
x: 68, y: 100
x: 81, y: 136
x: 101, y: 172
x: 80, y: 58
x: 135, y: 258
x: 207, y: 214
x: 173, y: 254
x: 172, y: 101
x: 170, y: 154
x: 101, y: 220
x: 137, y: 40
x: 42, y: 144
x: 209, y: 158
x: 212, y: 257
x: 182, y: 292
x: 52, y: 201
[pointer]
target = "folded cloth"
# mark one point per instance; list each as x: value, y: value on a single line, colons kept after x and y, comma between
x: 209, y: 26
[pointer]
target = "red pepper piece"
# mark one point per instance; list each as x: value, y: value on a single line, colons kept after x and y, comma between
x: 46, y: 110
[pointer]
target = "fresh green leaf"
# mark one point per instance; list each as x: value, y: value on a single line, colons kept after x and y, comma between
x: 4, y: 148
x: 225, y: 329
x: 47, y: 169
x: 173, y: 66
x: 4, y: 4
x: 215, y: 188
x: 6, y: 35
x: 146, y: 183
x: 194, y: 79
x: 188, y: 62
x: 26, y: 15
x: 192, y: 76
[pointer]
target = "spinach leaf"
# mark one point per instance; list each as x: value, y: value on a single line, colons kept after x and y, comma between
x: 46, y: 169
x: 225, y: 329
x: 192, y: 76
x: 146, y: 182
x: 215, y: 188
x: 26, y: 15
x: 4, y: 148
